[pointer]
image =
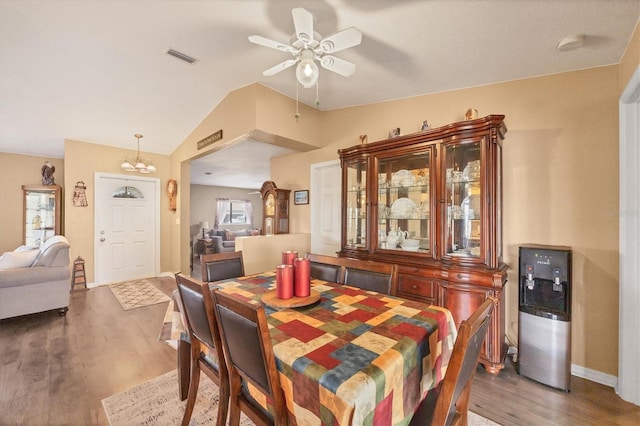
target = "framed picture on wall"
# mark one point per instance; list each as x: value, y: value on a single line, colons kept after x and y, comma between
x: 301, y: 197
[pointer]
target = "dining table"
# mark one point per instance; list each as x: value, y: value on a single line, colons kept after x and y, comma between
x: 352, y: 357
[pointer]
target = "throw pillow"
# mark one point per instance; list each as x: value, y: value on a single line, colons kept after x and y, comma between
x: 18, y: 259
x: 229, y: 236
x: 254, y: 232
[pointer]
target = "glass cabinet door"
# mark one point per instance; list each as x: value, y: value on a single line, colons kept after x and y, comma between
x: 404, y: 206
x: 41, y: 214
x: 463, y: 196
x: 356, y: 204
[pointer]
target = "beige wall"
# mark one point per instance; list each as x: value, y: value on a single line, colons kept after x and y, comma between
x: 240, y: 113
x: 560, y: 181
x: 82, y: 161
x: 264, y: 252
x: 17, y: 170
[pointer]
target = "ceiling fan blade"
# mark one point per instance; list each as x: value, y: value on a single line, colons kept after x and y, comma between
x: 341, y: 40
x: 263, y: 41
x: 303, y: 21
x: 280, y: 67
x: 337, y: 65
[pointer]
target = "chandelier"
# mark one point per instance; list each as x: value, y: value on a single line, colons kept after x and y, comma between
x: 138, y: 165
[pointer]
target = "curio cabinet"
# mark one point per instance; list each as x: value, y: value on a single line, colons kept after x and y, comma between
x: 430, y: 202
x: 41, y: 213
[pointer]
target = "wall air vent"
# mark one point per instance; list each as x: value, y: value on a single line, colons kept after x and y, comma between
x: 181, y: 56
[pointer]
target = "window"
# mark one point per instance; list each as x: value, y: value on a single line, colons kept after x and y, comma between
x: 234, y: 212
x: 127, y: 192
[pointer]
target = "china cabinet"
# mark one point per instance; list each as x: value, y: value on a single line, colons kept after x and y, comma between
x: 41, y: 213
x: 275, y: 209
x: 430, y: 202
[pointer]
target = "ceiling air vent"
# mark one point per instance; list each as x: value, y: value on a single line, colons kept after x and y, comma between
x: 181, y: 56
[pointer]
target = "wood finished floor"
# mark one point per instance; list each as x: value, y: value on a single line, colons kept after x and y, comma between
x: 56, y: 370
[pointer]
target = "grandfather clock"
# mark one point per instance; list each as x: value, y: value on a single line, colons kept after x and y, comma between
x: 275, y: 207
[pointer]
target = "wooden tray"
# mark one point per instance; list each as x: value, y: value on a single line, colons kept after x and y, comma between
x: 270, y: 299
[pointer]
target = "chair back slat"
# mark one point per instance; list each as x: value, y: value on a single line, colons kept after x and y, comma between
x: 371, y: 275
x: 245, y: 348
x: 368, y: 280
x: 249, y: 354
x: 196, y: 305
x: 451, y: 401
x: 196, y: 314
x: 326, y: 268
x: 221, y: 266
x: 365, y: 274
x: 469, y: 362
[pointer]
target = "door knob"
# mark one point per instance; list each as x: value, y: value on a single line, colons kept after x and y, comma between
x: 102, y: 240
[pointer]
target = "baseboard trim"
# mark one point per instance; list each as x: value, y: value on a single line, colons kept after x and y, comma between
x: 594, y: 376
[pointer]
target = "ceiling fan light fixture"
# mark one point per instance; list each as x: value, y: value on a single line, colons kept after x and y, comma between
x: 307, y: 71
x: 572, y: 42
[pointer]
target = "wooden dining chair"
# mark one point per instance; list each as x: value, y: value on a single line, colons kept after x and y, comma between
x: 221, y: 266
x: 371, y: 275
x: 206, y: 347
x: 448, y: 403
x: 250, y: 359
x: 326, y: 268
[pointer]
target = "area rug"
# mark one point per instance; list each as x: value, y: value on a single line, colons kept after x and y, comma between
x: 156, y: 402
x: 137, y: 293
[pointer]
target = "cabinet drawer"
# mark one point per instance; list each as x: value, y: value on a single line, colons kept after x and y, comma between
x: 416, y: 286
x: 463, y: 277
x: 422, y: 272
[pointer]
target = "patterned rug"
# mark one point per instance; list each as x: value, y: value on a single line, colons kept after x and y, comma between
x: 156, y: 402
x: 137, y: 293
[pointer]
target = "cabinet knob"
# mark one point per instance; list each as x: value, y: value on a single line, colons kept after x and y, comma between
x: 460, y: 276
x: 413, y: 286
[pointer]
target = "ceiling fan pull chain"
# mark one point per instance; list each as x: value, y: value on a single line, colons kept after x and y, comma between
x: 297, y: 114
x: 318, y: 94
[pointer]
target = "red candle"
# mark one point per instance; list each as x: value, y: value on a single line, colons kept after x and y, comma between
x: 284, y: 281
x: 288, y: 257
x: 302, y: 271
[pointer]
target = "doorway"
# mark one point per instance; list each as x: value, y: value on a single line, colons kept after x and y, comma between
x: 126, y: 228
x: 326, y: 199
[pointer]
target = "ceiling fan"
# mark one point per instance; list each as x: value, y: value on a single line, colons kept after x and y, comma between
x: 307, y: 46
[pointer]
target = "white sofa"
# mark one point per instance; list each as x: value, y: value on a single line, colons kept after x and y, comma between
x: 35, y: 280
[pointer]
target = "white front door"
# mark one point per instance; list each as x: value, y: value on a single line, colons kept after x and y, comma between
x: 126, y: 228
x: 326, y: 202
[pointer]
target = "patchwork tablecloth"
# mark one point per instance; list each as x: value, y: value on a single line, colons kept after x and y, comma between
x: 355, y: 357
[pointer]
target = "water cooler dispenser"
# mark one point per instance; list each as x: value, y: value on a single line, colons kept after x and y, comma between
x: 544, y: 317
